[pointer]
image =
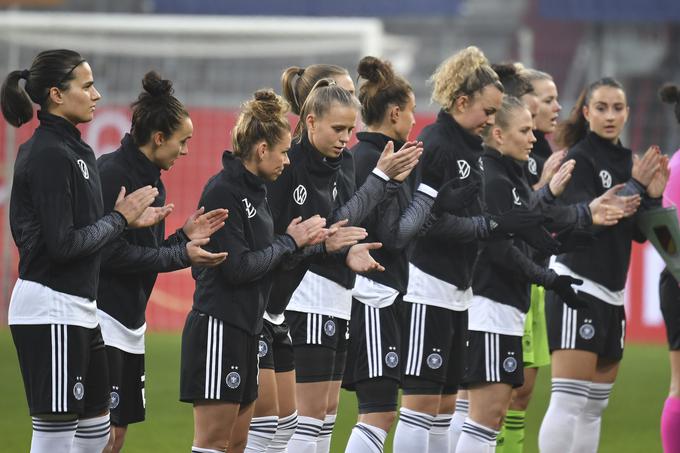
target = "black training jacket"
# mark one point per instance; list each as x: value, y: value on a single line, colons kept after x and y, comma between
x: 539, y: 154
x: 506, y: 269
x: 395, y: 221
x: 131, y: 263
x: 600, y: 164
x: 310, y: 185
x: 448, y: 251
x: 237, y: 290
x: 56, y: 210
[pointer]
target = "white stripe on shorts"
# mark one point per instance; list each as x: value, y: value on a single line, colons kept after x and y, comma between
x: 213, y: 359
x: 314, y: 328
x: 569, y: 324
x: 416, y: 339
x: 491, y: 354
x: 373, y: 341
x: 59, y: 340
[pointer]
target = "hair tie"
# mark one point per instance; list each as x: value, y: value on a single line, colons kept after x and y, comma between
x: 300, y: 72
x: 25, y: 74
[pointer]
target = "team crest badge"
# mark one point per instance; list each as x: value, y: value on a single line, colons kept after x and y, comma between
x: 300, y: 195
x: 463, y: 169
x: 329, y: 327
x: 115, y: 400
x: 78, y: 391
x: 233, y: 380
x: 606, y: 179
x: 262, y: 348
x: 250, y: 209
x: 391, y: 359
x: 510, y: 364
x: 532, y: 166
x: 83, y: 168
x: 434, y: 361
x: 586, y: 331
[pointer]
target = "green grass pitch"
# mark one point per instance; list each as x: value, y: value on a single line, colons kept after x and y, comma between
x: 631, y: 423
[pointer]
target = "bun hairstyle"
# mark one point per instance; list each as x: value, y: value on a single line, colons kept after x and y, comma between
x: 381, y: 87
x: 670, y: 94
x: 515, y: 83
x: 321, y: 98
x: 262, y: 118
x: 50, y: 68
x: 156, y: 109
x: 574, y: 129
x: 464, y: 74
x: 297, y: 82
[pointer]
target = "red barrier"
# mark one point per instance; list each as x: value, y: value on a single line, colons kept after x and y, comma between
x: 172, y: 296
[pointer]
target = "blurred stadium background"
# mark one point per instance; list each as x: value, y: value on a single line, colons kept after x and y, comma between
x: 218, y: 52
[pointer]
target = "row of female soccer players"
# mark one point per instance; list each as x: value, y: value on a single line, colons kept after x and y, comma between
x: 287, y: 289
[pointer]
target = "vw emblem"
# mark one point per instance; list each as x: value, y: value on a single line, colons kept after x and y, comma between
x: 606, y: 178
x: 463, y: 169
x: 300, y: 195
x: 83, y: 168
x: 532, y: 166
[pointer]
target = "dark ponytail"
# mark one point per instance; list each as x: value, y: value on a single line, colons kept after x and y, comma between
x: 156, y: 109
x: 381, y: 88
x: 51, y: 68
x: 670, y: 94
x: 575, y: 128
x: 514, y: 81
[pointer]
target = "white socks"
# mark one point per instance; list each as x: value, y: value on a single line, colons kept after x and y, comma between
x: 476, y: 438
x: 567, y: 401
x: 92, y: 435
x: 323, y: 443
x: 306, y: 435
x: 440, y: 433
x: 457, y: 421
x: 284, y: 431
x: 261, y: 433
x: 366, y: 439
x: 52, y: 436
x: 413, y: 430
x: 204, y: 450
x: 587, y: 435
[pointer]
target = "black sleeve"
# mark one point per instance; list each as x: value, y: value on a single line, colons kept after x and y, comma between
x: 364, y: 200
x: 50, y: 182
x: 243, y: 265
x: 450, y: 227
x: 122, y: 257
x: 503, y: 253
x: 395, y: 229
